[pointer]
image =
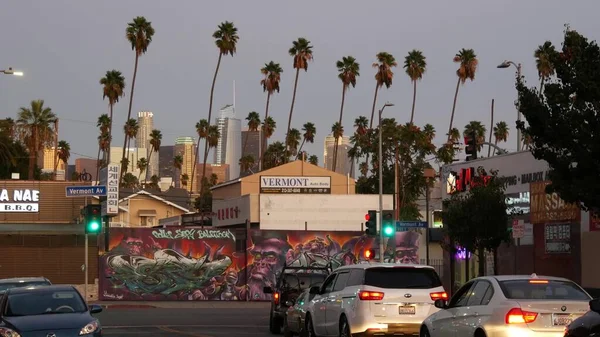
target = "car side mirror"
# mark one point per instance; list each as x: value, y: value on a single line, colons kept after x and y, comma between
x: 441, y: 304
x: 289, y: 303
x: 595, y: 305
x: 267, y: 290
x: 95, y: 308
x: 315, y: 290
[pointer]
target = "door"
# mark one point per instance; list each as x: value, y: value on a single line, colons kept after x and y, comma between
x: 444, y: 323
x: 320, y: 306
x: 474, y: 313
x: 335, y: 303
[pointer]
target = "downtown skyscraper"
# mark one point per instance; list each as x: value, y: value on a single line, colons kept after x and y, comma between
x: 146, y: 124
x: 229, y: 147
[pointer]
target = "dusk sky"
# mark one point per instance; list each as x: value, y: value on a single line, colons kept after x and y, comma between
x: 64, y: 47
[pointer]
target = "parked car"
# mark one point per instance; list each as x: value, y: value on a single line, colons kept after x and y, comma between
x: 47, y: 311
x: 294, y: 320
x: 509, y: 305
x: 587, y: 325
x: 19, y: 282
x: 374, y: 299
x: 291, y: 282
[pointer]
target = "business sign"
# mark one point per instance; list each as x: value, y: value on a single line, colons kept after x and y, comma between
x: 231, y: 211
x: 19, y: 201
x: 296, y: 185
x: 110, y: 178
x: 557, y: 237
x: 85, y: 191
x: 549, y: 207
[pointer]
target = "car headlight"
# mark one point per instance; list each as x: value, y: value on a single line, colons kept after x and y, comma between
x: 89, y: 328
x: 6, y: 332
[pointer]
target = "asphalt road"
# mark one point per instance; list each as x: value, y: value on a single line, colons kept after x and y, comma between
x: 173, y: 322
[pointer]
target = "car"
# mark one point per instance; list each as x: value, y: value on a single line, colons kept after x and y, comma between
x: 18, y: 282
x: 56, y: 310
x: 293, y: 322
x: 509, y: 305
x: 374, y: 299
x: 291, y: 282
x: 588, y: 324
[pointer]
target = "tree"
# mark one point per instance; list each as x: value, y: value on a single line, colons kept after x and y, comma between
x: 310, y: 130
x: 383, y: 76
x: 103, y: 125
x: 293, y: 141
x: 337, y: 130
x: 142, y: 165
x: 139, y: 33
x: 275, y: 155
x: 348, y: 71
x: 130, y: 129
x: 253, y: 124
x: 178, y: 165
x: 155, y: 142
x: 479, y: 129
x: 272, y: 76
x: 226, y: 39
x: 543, y: 62
x: 477, y: 220
x: 113, y: 86
x: 500, y: 133
x: 35, y: 130
x: 467, y: 68
x: 302, y: 53
x: 63, y: 153
x: 563, y: 123
x: 246, y: 162
x: 129, y: 181
x: 415, y: 65
x: 313, y: 160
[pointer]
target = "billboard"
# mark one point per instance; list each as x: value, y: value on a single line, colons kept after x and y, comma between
x: 299, y: 185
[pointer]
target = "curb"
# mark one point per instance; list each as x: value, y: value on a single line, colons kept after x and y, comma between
x: 127, y: 306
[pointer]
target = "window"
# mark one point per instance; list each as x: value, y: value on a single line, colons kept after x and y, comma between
x: 340, y: 283
x: 356, y: 277
x: 478, y: 292
x: 488, y: 296
x: 536, y: 289
x: 302, y: 281
x: 6, y: 286
x: 461, y: 297
x: 402, y: 278
x: 42, y: 302
x: 328, y: 284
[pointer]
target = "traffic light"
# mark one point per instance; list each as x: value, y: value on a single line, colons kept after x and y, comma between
x: 371, y: 223
x: 388, y: 224
x: 93, y: 219
x: 471, y: 146
x: 369, y: 254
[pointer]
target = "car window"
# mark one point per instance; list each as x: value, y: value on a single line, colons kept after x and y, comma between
x: 301, y: 281
x: 6, y: 286
x: 488, y: 295
x: 537, y: 289
x: 402, y: 278
x: 478, y: 292
x: 38, y: 303
x: 340, y: 283
x: 461, y: 297
x: 328, y: 285
x: 356, y: 278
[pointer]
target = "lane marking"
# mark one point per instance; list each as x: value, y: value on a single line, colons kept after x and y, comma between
x: 167, y: 329
x: 185, y: 326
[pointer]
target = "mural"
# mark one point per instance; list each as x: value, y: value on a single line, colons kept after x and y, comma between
x: 208, y: 264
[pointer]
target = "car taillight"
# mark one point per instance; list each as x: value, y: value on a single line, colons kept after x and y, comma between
x: 441, y: 295
x: 370, y: 295
x: 276, y: 298
x: 518, y: 316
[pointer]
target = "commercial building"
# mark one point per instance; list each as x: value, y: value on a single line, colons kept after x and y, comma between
x: 229, y: 147
x: 251, y: 146
x: 186, y: 148
x: 344, y: 163
x: 146, y: 125
x: 87, y: 165
x: 133, y: 154
x: 165, y: 161
x: 48, y: 159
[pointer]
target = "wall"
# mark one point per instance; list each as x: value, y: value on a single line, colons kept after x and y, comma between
x: 144, y: 202
x: 196, y: 264
x: 590, y: 273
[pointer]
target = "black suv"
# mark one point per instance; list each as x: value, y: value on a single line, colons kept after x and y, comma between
x: 291, y: 282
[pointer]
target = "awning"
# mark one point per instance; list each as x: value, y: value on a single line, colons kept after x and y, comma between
x: 147, y: 212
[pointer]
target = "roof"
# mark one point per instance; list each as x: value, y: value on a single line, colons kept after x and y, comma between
x: 23, y: 279
x: 528, y: 277
x: 368, y: 265
x: 142, y: 192
x: 176, y: 197
x: 41, y: 289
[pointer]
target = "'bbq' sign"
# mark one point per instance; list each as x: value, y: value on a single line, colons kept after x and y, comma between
x: 19, y: 201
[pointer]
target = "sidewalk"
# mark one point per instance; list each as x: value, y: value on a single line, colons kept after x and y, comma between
x: 182, y: 304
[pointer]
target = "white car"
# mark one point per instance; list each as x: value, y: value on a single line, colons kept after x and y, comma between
x: 374, y: 299
x: 509, y: 306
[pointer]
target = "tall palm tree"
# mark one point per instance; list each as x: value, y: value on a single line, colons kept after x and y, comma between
x: 275, y: 155
x: 155, y: 142
x: 500, y: 133
x: 269, y: 126
x: 103, y: 124
x: 142, y: 165
x: 35, y: 130
x: 468, y: 62
x: 214, y: 179
x: 338, y: 131
x: 178, y: 165
x: 543, y: 62
x: 272, y: 77
x: 479, y: 129
x: 113, y: 86
x: 139, y: 33
x: 302, y: 53
x: 253, y: 124
x: 454, y: 135
x: 246, y: 162
x: 226, y: 39
x: 313, y: 160
x: 293, y: 141
x: 348, y: 71
x: 130, y: 129
x: 64, y: 153
x: 202, y: 132
x: 383, y: 76
x: 415, y: 66
x: 129, y: 181
x: 310, y: 130
x: 184, y: 179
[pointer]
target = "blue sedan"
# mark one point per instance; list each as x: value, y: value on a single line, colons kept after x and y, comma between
x: 47, y: 311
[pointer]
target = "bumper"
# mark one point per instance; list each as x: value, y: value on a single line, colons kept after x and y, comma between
x: 397, y: 329
x: 522, y: 332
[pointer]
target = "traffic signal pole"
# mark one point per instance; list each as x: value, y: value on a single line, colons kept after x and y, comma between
x: 85, y: 263
x: 380, y: 217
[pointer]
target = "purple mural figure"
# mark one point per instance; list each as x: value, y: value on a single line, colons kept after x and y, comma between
x: 405, y: 247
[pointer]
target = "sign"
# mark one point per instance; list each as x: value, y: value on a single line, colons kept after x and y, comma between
x: 85, y: 191
x: 110, y: 178
x: 400, y: 225
x: 231, y: 211
x: 518, y: 229
x: 557, y: 238
x: 594, y: 222
x: 549, y: 207
x: 297, y: 185
x: 19, y: 201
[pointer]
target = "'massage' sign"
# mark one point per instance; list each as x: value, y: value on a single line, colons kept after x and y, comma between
x: 283, y: 184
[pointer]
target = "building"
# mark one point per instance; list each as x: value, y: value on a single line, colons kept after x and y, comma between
x: 344, y: 163
x: 229, y: 147
x: 221, y: 171
x: 87, y: 165
x: 146, y: 124
x: 47, y: 158
x: 133, y: 154
x: 186, y: 148
x: 165, y: 161
x: 251, y: 146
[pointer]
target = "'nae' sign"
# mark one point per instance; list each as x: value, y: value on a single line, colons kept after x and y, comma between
x: 19, y: 201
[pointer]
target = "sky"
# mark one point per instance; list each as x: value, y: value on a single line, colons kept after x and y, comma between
x: 64, y: 47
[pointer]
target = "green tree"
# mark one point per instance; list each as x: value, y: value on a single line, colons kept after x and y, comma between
x: 543, y: 63
x: 348, y: 71
x: 63, y: 153
x: 293, y: 141
x: 155, y: 142
x: 177, y: 165
x: 467, y: 68
x: 563, y: 122
x: 500, y: 133
x: 415, y: 65
x: 35, y: 125
x: 272, y: 77
x: 103, y: 125
x: 275, y: 155
x: 313, y: 160
x: 310, y: 130
x: 142, y: 165
x: 129, y: 181
x: 479, y: 129
x: 113, y: 86
x: 130, y: 129
x: 302, y: 53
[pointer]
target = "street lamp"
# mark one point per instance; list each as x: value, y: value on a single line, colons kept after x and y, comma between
x: 10, y: 71
x: 504, y: 65
x: 380, y: 218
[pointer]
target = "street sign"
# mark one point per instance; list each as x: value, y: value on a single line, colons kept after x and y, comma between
x: 85, y: 191
x: 109, y: 177
x: 518, y: 229
x: 400, y: 225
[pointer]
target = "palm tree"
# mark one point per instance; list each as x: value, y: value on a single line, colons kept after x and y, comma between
x: 275, y: 155
x: 154, y: 180
x: 7, y: 127
x: 313, y: 160
x: 383, y: 76
x: 360, y: 124
x: 139, y: 33
x: 129, y: 181
x: 226, y: 39
x: 103, y: 124
x: 184, y: 179
x: 415, y: 65
x: 202, y: 132
x: 272, y: 76
x: 178, y: 165
x: 113, y: 84
x: 63, y: 153
x: 454, y: 135
x: 466, y: 71
x: 253, y: 124
x: 302, y: 52
x: 130, y: 129
x: 348, y: 71
x: 246, y: 162
x: 35, y: 130
x: 293, y: 141
x: 500, y: 133
x: 543, y: 62
x: 214, y: 179
x: 479, y: 129
x: 338, y: 131
x: 310, y: 130
x: 142, y: 165
x: 269, y: 126
x: 155, y: 142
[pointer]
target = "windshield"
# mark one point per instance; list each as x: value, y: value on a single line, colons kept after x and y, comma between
x: 6, y: 286
x: 302, y: 281
x: 402, y: 278
x: 543, y: 290
x: 47, y: 302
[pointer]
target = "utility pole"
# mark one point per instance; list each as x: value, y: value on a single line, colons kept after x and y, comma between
x: 380, y: 218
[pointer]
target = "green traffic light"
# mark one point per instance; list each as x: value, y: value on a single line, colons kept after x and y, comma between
x: 94, y: 226
x: 388, y: 230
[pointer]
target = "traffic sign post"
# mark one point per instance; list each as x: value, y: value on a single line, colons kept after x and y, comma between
x: 518, y: 231
x: 85, y: 191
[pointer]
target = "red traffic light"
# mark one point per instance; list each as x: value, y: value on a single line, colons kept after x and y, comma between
x: 369, y: 254
x: 95, y: 211
x: 367, y: 217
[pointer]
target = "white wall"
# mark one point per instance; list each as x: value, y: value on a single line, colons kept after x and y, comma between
x: 320, y: 212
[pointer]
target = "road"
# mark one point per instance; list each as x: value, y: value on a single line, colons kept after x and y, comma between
x: 173, y: 322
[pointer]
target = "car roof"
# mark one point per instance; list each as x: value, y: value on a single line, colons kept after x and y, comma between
x: 39, y: 289
x: 23, y: 279
x: 501, y: 278
x: 383, y: 265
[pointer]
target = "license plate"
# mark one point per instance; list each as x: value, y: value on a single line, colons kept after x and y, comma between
x: 406, y: 310
x: 562, y: 319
